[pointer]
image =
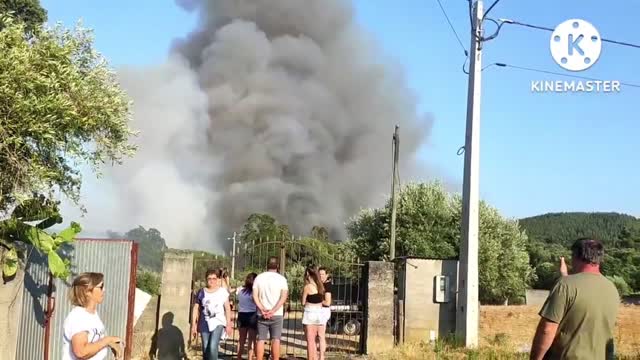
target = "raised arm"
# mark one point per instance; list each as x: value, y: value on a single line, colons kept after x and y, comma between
x: 563, y: 267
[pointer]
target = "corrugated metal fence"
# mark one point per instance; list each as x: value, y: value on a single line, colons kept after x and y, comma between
x: 116, y: 259
x: 34, y: 304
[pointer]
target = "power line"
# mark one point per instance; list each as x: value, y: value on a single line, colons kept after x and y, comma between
x: 537, y: 27
x: 554, y: 73
x: 452, y: 28
x: 490, y: 8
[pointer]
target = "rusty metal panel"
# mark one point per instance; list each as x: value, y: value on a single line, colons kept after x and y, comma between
x: 132, y: 301
x: 34, y: 304
x: 113, y: 259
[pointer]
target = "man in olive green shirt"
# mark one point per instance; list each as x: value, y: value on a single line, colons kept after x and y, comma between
x: 579, y: 316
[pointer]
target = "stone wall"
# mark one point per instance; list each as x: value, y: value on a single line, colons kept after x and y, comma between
x: 536, y: 297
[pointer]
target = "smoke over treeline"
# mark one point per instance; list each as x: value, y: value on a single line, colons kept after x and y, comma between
x: 282, y: 107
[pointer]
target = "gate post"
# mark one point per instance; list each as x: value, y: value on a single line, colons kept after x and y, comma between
x: 378, y: 307
x: 283, y: 254
x: 176, y: 293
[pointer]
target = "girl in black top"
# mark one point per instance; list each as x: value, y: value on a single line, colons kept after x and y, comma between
x: 313, y: 318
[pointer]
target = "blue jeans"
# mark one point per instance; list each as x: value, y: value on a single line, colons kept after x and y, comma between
x: 211, y: 342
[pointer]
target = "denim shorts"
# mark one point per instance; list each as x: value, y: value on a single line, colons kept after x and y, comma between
x: 271, y: 327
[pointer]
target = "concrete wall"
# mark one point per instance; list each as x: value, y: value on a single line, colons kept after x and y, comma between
x: 536, y: 297
x: 10, y: 309
x: 424, y: 318
x: 379, y: 323
x: 175, y: 299
x: 145, y: 329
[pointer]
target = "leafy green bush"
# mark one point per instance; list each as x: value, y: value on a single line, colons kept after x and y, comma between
x: 148, y: 282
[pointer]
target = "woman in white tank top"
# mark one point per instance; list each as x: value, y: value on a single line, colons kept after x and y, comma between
x: 84, y: 335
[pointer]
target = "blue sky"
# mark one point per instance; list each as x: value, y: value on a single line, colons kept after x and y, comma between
x: 539, y: 152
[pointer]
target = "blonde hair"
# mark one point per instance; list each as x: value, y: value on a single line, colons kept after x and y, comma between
x: 81, y: 285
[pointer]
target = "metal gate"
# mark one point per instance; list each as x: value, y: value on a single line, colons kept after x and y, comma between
x: 344, y: 326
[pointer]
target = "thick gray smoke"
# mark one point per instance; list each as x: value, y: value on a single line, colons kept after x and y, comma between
x: 284, y: 107
x: 301, y: 109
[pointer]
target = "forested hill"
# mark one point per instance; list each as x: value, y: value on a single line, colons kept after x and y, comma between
x: 614, y: 229
x: 551, y: 235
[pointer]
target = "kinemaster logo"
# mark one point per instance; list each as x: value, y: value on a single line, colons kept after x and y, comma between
x: 575, y: 46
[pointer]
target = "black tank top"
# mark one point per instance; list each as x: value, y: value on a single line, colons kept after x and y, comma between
x: 314, y: 298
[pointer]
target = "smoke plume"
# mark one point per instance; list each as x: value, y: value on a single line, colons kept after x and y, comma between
x: 282, y: 107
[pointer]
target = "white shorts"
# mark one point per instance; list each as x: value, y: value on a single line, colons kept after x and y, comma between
x: 313, y: 316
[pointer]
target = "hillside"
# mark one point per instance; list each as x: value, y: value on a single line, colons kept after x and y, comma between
x: 563, y: 228
x: 551, y: 235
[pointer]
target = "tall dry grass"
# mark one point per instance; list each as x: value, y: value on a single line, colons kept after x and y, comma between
x: 506, y: 332
x: 447, y: 352
x: 517, y: 325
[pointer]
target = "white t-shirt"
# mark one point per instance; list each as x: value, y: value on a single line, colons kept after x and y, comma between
x: 213, y: 307
x: 245, y: 302
x: 269, y: 285
x: 80, y: 320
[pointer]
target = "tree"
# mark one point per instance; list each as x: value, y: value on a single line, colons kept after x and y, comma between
x: 261, y: 237
x: 428, y: 225
x: 320, y: 233
x: 28, y: 12
x: 551, y: 235
x: 621, y: 285
x: 151, y: 246
x: 61, y: 107
x: 261, y: 228
x: 148, y: 282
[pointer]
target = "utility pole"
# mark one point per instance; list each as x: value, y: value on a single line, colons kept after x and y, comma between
x: 468, y: 307
x: 233, y: 257
x: 394, y: 199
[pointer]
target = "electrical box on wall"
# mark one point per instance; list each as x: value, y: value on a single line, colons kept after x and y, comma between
x: 427, y: 295
x: 441, y: 289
